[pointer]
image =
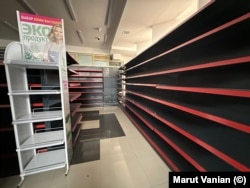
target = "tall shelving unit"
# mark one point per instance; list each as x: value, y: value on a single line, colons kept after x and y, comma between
x: 30, y: 143
x: 74, y: 106
x: 75, y: 117
x: 110, y: 76
x: 188, y: 94
x: 8, y: 155
x: 88, y: 82
x: 121, y: 87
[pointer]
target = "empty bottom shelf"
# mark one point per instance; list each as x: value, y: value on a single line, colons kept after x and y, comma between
x: 46, y: 161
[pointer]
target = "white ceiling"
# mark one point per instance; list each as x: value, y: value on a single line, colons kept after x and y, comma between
x: 136, y: 17
x: 140, y: 16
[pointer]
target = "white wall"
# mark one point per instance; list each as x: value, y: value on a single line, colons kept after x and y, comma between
x: 126, y: 58
x: 162, y: 29
x: 4, y: 43
x: 141, y: 46
x: 78, y: 49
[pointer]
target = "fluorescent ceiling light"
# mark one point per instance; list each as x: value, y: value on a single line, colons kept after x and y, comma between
x: 71, y: 10
x: 30, y: 7
x: 105, y: 38
x: 108, y: 14
x: 80, y: 35
x: 10, y: 25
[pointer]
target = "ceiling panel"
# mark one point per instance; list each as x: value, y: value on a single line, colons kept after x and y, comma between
x: 133, y: 16
x: 90, y: 14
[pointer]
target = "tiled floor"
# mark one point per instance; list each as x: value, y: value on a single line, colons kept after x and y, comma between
x: 125, y: 162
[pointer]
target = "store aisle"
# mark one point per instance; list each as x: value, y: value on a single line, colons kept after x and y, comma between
x: 125, y: 161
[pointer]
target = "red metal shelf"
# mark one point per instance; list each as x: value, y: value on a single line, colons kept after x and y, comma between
x: 37, y: 104
x: 172, y: 144
x: 4, y: 105
x: 72, y: 71
x: 76, y: 137
x: 85, y: 87
x: 35, y: 85
x: 89, y: 99
x: 74, y: 108
x: 86, y: 76
x: 74, y: 84
x: 73, y: 97
x: 3, y: 85
x: 217, y: 91
x: 39, y: 126
x: 220, y: 120
x: 82, y: 92
x: 6, y: 129
x: 84, y: 81
x: 141, y: 84
x: 225, y: 62
x: 204, y: 35
x: 75, y: 124
x: 86, y: 70
x: 203, y: 144
x: 155, y: 146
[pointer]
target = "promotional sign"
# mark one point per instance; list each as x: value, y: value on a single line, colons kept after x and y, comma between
x: 42, y: 37
x: 43, y: 41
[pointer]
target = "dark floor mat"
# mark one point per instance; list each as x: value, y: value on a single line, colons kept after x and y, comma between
x: 86, y: 150
x: 90, y: 115
x: 110, y: 126
x: 87, y: 147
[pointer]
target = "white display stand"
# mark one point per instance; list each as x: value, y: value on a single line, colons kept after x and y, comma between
x: 27, y: 140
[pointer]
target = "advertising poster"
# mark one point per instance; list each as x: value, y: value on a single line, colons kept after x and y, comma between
x: 43, y: 41
x: 42, y: 37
